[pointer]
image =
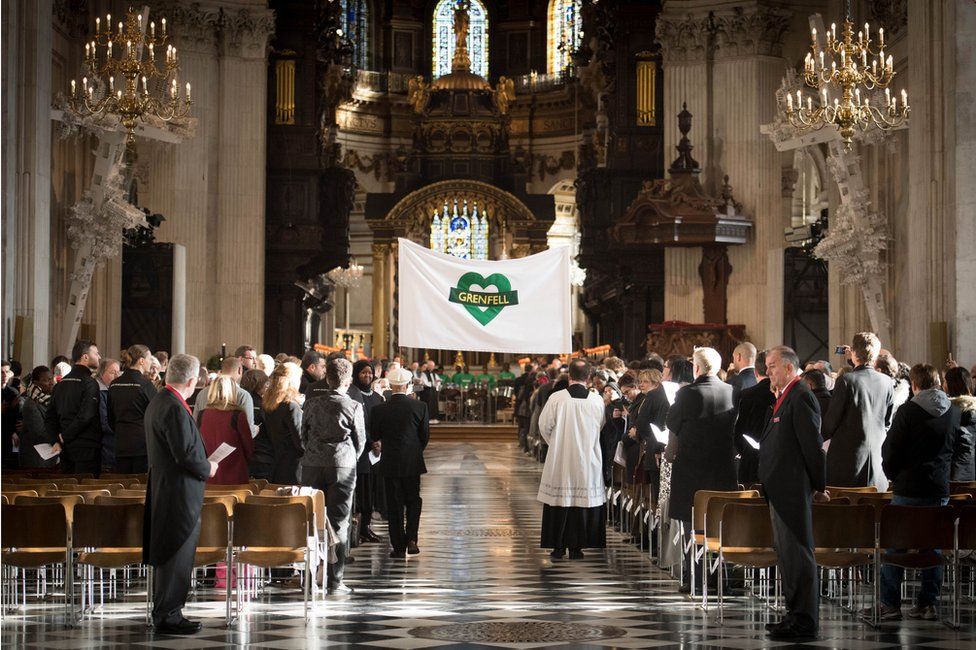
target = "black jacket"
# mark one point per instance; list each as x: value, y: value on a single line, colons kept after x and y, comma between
x: 963, y: 456
x: 402, y: 426
x: 752, y: 414
x: 128, y: 398
x: 178, y: 468
x: 917, y: 453
x: 746, y: 378
x: 791, y: 460
x: 701, y: 419
x: 73, y: 411
x: 653, y: 410
x: 861, y: 408
x: 283, y: 427
x: 368, y: 400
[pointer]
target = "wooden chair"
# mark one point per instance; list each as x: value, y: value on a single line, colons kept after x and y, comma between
x: 226, y: 500
x: 38, y: 486
x: 258, y: 484
x: 867, y: 489
x: 107, y: 482
x: 55, y: 479
x: 68, y: 502
x: 113, y: 538
x: 965, y: 555
x: 129, y: 492
x: 214, y: 544
x: 745, y: 539
x: 912, y: 537
x: 699, y: 508
x: 87, y: 495
x: 117, y: 500
x: 13, y: 494
x: 844, y: 539
x: 35, y: 536
x: 269, y: 536
x: 240, y: 494
x: 878, y: 500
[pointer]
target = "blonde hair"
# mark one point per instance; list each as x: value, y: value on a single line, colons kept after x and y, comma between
x: 222, y: 394
x: 283, y: 385
x: 266, y: 363
x: 652, y: 375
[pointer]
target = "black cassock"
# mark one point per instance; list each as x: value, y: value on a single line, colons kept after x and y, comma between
x: 178, y: 469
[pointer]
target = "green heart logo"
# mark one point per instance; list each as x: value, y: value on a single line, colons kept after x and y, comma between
x: 484, y: 307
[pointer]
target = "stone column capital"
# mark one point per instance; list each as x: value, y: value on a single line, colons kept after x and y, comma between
x: 245, y: 33
x: 753, y: 30
x: 683, y: 37
x: 194, y: 27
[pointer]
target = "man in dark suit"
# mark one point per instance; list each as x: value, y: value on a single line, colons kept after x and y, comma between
x: 744, y: 362
x: 791, y: 468
x: 72, y: 417
x: 752, y: 413
x: 701, y: 420
x: 178, y: 468
x: 401, y: 427
x: 861, y: 408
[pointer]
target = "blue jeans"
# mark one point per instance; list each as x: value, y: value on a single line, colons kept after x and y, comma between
x: 892, y: 576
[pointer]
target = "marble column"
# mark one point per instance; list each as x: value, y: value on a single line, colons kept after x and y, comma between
x: 380, y: 253
x: 239, y: 282
x: 962, y: 201
x: 180, y: 179
x: 28, y: 38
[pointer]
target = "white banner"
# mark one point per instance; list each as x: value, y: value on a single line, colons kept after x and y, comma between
x: 519, y: 306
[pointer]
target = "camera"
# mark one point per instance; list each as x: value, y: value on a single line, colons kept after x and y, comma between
x: 839, y: 349
x: 620, y: 403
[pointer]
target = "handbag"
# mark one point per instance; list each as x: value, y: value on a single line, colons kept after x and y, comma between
x: 671, y: 450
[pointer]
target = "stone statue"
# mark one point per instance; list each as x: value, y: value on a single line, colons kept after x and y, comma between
x: 418, y: 93
x: 504, y: 94
x: 461, y: 22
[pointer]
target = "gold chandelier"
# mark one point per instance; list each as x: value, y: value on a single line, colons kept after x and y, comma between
x: 121, y: 73
x: 849, y: 65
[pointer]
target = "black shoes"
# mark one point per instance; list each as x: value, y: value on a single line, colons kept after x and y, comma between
x: 412, y: 548
x: 368, y: 536
x: 557, y: 554
x: 575, y: 554
x: 398, y: 555
x: 792, y: 632
x: 184, y: 627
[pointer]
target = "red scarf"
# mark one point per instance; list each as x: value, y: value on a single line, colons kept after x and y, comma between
x: 180, y: 397
x: 784, y: 393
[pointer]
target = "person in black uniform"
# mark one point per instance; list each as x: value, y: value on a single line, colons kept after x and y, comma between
x: 792, y: 471
x: 401, y: 427
x: 72, y: 416
x: 178, y: 469
x: 752, y: 413
x: 128, y: 398
x: 362, y: 391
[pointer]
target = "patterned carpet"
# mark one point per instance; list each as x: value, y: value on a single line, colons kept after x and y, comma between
x: 480, y: 581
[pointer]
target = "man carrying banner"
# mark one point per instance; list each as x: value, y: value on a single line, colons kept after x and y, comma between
x: 573, y: 514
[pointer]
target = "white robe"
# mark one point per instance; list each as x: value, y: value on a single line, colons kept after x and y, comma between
x: 573, y: 474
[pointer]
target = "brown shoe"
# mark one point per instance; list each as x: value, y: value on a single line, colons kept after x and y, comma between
x: 412, y: 548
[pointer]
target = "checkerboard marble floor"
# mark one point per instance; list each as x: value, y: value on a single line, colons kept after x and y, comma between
x: 479, y: 563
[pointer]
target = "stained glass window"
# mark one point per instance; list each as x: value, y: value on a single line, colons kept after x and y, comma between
x: 564, y: 31
x: 444, y: 37
x: 355, y: 27
x: 459, y: 232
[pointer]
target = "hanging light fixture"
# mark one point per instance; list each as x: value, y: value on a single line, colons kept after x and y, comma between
x: 120, y: 70
x: 855, y: 67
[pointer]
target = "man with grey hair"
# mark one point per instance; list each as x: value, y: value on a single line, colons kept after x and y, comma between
x: 334, y: 435
x: 861, y: 410
x: 791, y: 469
x: 701, y: 420
x: 400, y: 425
x: 178, y: 469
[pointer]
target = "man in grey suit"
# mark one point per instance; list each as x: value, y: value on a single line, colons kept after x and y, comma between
x: 334, y: 435
x: 861, y: 408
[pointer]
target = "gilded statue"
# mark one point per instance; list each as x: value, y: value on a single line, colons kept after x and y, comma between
x: 504, y: 94
x: 461, y: 24
x: 418, y: 93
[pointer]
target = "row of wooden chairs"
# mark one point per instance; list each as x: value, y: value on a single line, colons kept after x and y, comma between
x: 265, y: 532
x: 735, y: 529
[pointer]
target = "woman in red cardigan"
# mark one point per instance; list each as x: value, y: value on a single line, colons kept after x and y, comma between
x: 224, y: 421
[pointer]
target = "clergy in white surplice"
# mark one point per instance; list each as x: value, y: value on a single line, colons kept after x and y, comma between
x: 572, y: 491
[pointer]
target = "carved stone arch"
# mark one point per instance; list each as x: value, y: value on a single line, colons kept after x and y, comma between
x: 514, y: 227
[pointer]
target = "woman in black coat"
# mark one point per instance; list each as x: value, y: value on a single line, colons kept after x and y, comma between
x: 283, y: 422
x: 255, y: 382
x: 959, y: 387
x: 128, y: 397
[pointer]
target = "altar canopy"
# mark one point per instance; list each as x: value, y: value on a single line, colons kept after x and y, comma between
x: 519, y: 305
